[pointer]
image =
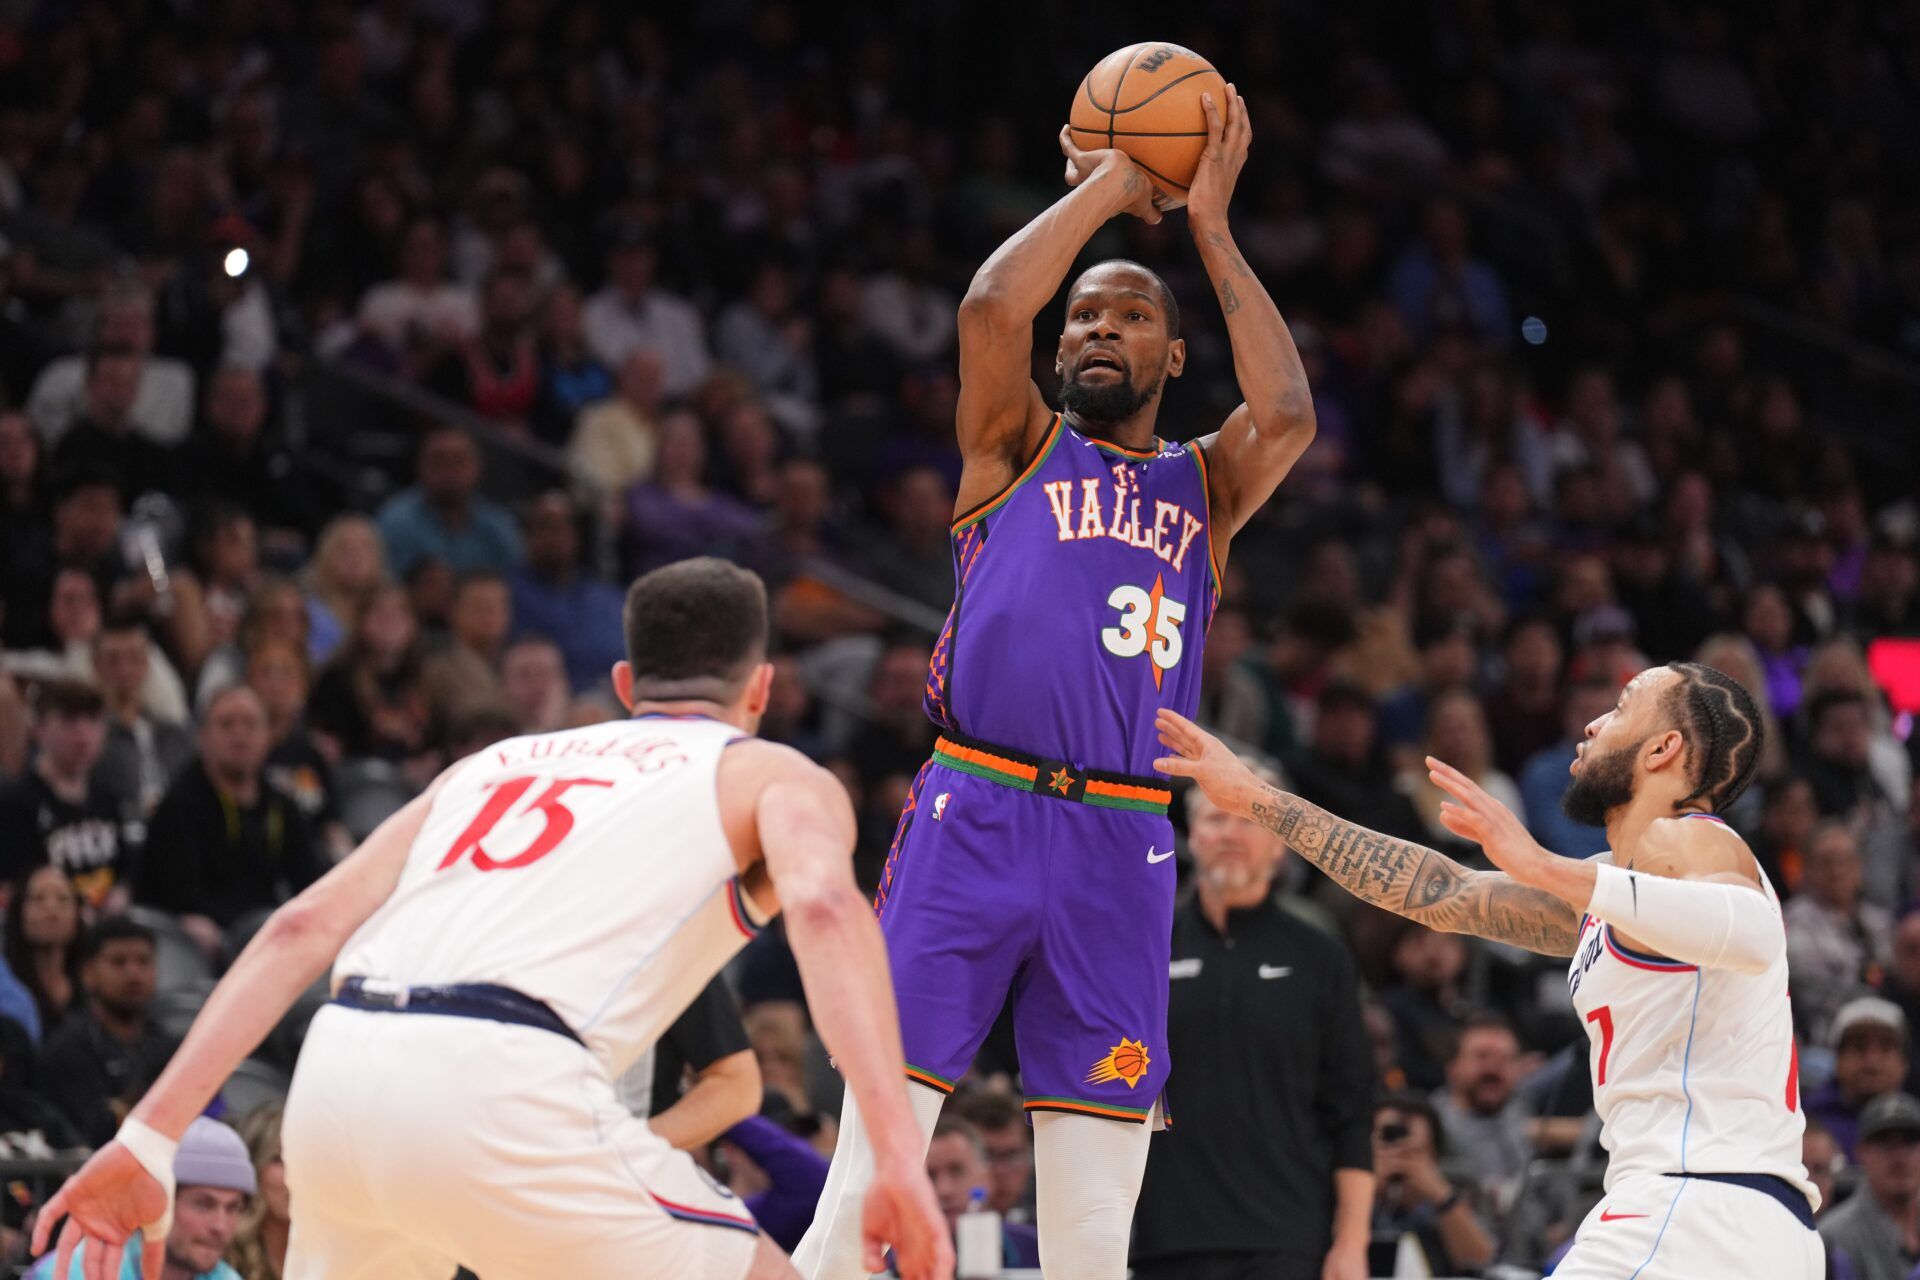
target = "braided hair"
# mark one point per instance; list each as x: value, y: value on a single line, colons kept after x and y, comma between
x: 1724, y: 733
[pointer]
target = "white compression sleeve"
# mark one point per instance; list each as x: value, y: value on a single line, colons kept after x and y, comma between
x: 831, y: 1248
x: 1716, y: 926
x: 1087, y: 1174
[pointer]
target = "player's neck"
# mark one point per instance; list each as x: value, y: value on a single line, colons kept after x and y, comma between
x: 695, y: 707
x: 1627, y: 824
x: 1129, y: 433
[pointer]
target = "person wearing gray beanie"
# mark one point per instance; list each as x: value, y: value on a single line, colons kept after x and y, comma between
x: 214, y: 1178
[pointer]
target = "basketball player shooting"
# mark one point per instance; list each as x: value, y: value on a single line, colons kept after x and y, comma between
x: 1034, y: 853
x: 508, y: 943
x: 1679, y: 967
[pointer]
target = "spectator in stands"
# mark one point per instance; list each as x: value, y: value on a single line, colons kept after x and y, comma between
x: 1544, y: 778
x: 259, y: 1249
x: 957, y: 1165
x: 226, y: 556
x: 1007, y: 1139
x: 1457, y: 733
x: 1824, y: 1160
x: 59, y: 813
x: 774, y: 1172
x: 141, y: 754
x: 570, y: 377
x: 1875, y: 1233
x: 905, y: 304
x: 765, y: 336
x: 1767, y: 619
x: 1448, y: 655
x: 236, y: 456
x: 1342, y: 769
x: 277, y: 671
x: 1481, y: 1112
x: 896, y: 735
x: 1869, y: 1041
x: 419, y: 312
x: 214, y: 1183
x: 633, y: 312
x: 104, y: 436
x: 225, y: 842
x: 371, y: 700
x: 533, y: 683
x: 1438, y: 285
x: 613, y: 443
x: 916, y: 558
x: 1787, y: 823
x: 103, y: 1058
x: 1425, y: 1001
x: 466, y: 672
x: 1524, y: 711
x: 443, y: 515
x: 43, y: 944
x: 496, y: 371
x: 554, y: 596
x: 163, y: 396
x: 674, y: 514
x: 1838, y: 944
x: 1838, y: 761
x: 1902, y: 986
x: 348, y: 562
x: 1416, y: 1198
x: 1275, y: 1086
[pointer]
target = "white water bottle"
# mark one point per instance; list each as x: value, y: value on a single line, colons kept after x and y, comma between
x: 976, y: 1240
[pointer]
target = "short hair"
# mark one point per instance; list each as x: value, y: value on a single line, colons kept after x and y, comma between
x: 1407, y: 1102
x: 1169, y: 305
x: 695, y: 629
x: 955, y: 1127
x: 121, y: 621
x: 1724, y: 732
x: 1484, y: 1020
x: 1825, y: 701
x: 479, y: 578
x: 112, y: 929
x: 74, y: 698
x: 989, y: 1109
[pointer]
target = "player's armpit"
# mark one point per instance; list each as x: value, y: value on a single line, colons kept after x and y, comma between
x: 1417, y: 882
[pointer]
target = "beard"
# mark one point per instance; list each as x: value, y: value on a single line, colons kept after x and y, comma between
x: 1603, y: 784
x: 1105, y: 402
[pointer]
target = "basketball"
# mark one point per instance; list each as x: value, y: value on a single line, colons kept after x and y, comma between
x: 1129, y: 1063
x: 1145, y: 100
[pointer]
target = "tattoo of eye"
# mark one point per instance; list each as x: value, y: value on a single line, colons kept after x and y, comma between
x: 1229, y: 300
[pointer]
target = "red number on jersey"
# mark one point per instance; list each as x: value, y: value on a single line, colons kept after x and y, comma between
x: 1604, y: 1016
x: 506, y: 794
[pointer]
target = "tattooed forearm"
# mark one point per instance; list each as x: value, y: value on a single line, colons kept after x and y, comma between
x: 1229, y: 300
x: 1234, y: 260
x: 1418, y: 882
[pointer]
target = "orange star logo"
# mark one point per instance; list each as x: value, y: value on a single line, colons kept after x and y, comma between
x: 1060, y: 780
x: 1126, y: 1062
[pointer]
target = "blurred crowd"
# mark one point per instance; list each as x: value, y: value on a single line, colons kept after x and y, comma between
x: 1610, y: 318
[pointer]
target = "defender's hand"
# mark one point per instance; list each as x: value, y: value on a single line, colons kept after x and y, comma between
x: 1204, y: 758
x: 1474, y: 815
x: 1228, y: 136
x: 901, y: 1211
x: 111, y: 1197
x: 1145, y: 202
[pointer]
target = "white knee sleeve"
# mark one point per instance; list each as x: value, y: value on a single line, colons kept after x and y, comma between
x: 1087, y: 1174
x: 831, y: 1248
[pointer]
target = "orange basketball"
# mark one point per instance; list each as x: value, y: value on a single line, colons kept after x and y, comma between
x: 1145, y: 100
x: 1128, y: 1062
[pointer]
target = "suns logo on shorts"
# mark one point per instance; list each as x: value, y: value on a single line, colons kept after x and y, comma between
x: 1126, y: 1061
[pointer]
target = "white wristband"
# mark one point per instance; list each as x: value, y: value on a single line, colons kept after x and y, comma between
x: 155, y: 1152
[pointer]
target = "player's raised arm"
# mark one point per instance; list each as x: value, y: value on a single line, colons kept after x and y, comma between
x: 1001, y: 413
x: 806, y: 829
x: 1399, y: 875
x: 1262, y: 439
x: 1692, y: 892
x: 128, y: 1183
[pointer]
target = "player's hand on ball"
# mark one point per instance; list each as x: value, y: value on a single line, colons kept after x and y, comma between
x: 901, y: 1211
x: 1228, y: 136
x: 109, y: 1199
x: 1474, y: 815
x: 1199, y: 755
x: 1082, y: 164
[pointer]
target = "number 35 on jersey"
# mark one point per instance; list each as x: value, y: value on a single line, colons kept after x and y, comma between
x: 1149, y: 624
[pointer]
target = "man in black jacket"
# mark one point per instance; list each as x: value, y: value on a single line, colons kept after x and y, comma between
x: 225, y: 843
x: 1266, y: 1174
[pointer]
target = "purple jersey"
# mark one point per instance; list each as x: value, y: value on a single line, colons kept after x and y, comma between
x: 1083, y: 593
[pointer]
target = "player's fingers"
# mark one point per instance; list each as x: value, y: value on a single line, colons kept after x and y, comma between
x: 1215, y: 126
x: 63, y: 1256
x: 1460, y: 822
x: 1177, y: 766
x: 1170, y: 721
x: 153, y: 1257
x: 1454, y: 782
x: 50, y: 1214
x: 101, y: 1256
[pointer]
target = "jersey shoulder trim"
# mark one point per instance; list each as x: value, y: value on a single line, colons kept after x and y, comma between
x: 1642, y: 959
x: 1199, y: 457
x: 999, y: 499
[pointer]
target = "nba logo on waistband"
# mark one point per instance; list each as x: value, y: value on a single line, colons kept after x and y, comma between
x: 940, y: 804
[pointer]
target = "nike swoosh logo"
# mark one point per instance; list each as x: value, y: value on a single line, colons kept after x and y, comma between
x: 1153, y: 857
x: 1616, y: 1217
x: 1275, y: 970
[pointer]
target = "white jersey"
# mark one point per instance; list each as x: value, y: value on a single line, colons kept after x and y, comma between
x: 587, y: 869
x: 1694, y: 1071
